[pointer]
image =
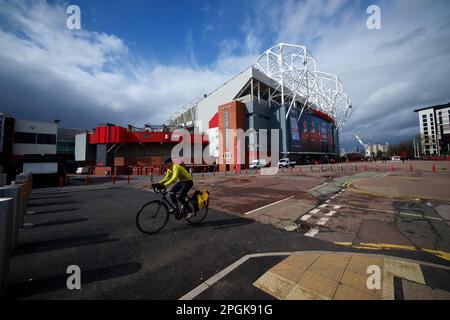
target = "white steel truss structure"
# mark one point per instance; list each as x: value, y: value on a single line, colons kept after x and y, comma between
x: 300, y: 85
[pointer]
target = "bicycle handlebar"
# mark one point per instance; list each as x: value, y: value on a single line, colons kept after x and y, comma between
x: 163, y: 191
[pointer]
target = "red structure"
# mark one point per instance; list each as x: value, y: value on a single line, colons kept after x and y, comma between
x: 120, y: 151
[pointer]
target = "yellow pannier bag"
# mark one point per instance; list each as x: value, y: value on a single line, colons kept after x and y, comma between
x: 203, y: 198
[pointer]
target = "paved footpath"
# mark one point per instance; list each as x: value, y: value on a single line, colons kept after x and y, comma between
x: 326, y: 276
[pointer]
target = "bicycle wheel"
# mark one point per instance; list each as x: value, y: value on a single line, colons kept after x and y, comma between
x: 152, y: 217
x: 199, y: 215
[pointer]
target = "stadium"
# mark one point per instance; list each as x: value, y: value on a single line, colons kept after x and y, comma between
x: 282, y: 90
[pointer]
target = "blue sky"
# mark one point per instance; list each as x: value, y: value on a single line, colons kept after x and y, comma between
x: 141, y: 61
x: 169, y: 30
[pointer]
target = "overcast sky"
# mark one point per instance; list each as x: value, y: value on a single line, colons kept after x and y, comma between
x: 141, y: 61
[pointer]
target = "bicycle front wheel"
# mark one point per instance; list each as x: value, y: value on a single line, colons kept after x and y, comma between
x: 152, y: 217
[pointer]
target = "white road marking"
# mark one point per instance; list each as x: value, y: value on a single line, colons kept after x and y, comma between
x: 393, y: 212
x: 330, y: 214
x: 291, y: 227
x: 312, y: 232
x: 314, y: 211
x: 337, y: 207
x: 323, y: 205
x: 305, y: 217
x: 419, y: 216
x: 318, y: 186
x: 322, y: 221
x: 328, y: 201
x: 268, y: 205
x: 333, y: 197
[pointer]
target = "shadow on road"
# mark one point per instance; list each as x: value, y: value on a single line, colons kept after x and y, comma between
x: 58, y: 222
x: 26, y: 289
x: 63, y: 243
x: 215, y: 224
x: 51, y: 203
x: 56, y: 211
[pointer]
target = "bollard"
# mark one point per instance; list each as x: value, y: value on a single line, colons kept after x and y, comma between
x: 392, y: 168
x: 365, y: 168
x: 282, y: 169
x: 3, y: 179
x: 331, y: 168
x: 61, y: 182
x: 151, y: 175
x: 292, y: 169
x: 128, y: 179
x: 410, y: 168
x: 113, y: 179
x: 354, y: 167
x: 86, y: 180
x: 311, y: 168
x: 6, y: 205
x: 434, y: 168
x: 23, y: 201
x: 214, y: 172
x: 340, y: 168
x: 321, y: 168
x: 13, y: 192
x: 299, y: 169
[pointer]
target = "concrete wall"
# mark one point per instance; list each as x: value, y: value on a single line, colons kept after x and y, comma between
x: 35, y: 127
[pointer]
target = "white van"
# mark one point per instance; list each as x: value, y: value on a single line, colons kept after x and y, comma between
x: 258, y: 164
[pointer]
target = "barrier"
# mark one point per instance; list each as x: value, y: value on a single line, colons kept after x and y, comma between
x: 23, y: 200
x: 3, y: 179
x: 13, y: 192
x: 5, y: 241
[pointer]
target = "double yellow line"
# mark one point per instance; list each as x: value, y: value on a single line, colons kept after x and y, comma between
x: 387, y: 246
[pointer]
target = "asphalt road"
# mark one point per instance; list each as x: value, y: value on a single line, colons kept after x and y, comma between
x: 96, y: 231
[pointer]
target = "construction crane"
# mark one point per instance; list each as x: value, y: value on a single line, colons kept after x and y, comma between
x: 368, y: 154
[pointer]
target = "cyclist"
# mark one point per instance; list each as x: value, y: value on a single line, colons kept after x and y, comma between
x: 185, y: 183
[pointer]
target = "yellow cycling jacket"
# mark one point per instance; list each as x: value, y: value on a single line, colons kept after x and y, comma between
x: 177, y: 172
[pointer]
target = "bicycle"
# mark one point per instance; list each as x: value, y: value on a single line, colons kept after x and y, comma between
x: 154, y: 215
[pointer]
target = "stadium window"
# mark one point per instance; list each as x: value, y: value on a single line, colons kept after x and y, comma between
x: 43, y: 138
x: 25, y: 137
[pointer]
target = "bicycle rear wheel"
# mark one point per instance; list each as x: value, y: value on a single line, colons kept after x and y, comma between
x: 199, y: 215
x: 152, y: 217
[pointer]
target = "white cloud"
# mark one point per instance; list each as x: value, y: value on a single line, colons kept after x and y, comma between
x: 90, y: 75
x: 336, y: 33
